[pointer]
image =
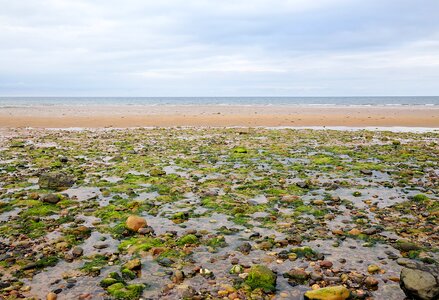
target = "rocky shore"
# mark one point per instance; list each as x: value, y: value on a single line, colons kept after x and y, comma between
x: 218, y: 214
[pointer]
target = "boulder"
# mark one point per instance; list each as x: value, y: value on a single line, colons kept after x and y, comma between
x: 419, y: 284
x: 261, y: 277
x: 134, y: 223
x: 55, y: 181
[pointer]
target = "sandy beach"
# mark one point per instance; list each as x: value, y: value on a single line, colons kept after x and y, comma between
x: 215, y: 115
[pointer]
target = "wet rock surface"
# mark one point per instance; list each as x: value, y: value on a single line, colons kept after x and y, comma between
x: 213, y: 213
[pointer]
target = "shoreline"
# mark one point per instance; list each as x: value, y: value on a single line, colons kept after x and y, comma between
x: 124, y: 116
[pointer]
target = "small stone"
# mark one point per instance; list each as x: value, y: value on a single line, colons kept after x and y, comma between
x: 134, y: 223
x: 326, y: 264
x: 134, y: 264
x: 354, y: 231
x: 100, y: 246
x: 178, y: 277
x: 372, y: 269
x: 370, y: 281
x: 51, y: 296
x: 50, y: 198
x: 244, y: 248
x: 77, y: 251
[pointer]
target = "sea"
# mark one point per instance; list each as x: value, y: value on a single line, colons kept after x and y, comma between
x: 317, y: 101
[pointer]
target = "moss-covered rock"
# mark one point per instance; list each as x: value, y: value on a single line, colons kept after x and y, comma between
x: 187, y: 240
x: 328, y: 293
x: 261, y: 277
x: 129, y: 292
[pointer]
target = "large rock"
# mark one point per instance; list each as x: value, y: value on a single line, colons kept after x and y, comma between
x: 134, y: 223
x: 328, y: 293
x: 419, y: 284
x: 261, y: 277
x: 55, y: 181
x: 51, y: 198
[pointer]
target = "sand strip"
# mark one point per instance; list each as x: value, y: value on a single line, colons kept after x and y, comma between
x: 213, y: 115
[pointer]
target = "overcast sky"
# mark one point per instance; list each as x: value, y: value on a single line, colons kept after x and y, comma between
x: 219, y: 47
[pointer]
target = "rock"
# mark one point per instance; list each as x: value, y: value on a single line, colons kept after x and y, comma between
x: 302, y: 184
x: 366, y: 172
x: 373, y: 269
x: 63, y: 159
x: 156, y: 172
x: 298, y: 276
x: 51, y: 296
x: 186, y: 292
x: 326, y: 264
x: 165, y: 262
x: 370, y: 281
x: 328, y: 293
x: 134, y: 264
x: 178, y: 277
x: 354, y: 231
x: 146, y: 230
x: 406, y: 246
x: 101, y: 246
x: 77, y: 251
x: 51, y: 198
x: 370, y: 231
x: 265, y: 246
x: 134, y: 223
x: 261, y: 277
x: 55, y: 181
x: 419, y: 284
x: 244, y: 248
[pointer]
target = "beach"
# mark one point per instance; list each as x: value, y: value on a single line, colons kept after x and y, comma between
x: 191, y: 213
x: 63, y: 116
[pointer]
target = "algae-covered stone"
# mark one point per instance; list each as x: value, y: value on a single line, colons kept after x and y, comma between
x: 328, y: 293
x: 157, y: 172
x: 106, y: 282
x: 55, y: 181
x: 261, y: 277
x: 128, y: 274
x: 120, y: 291
x: 240, y: 150
x: 134, y: 223
x: 134, y: 264
x: 187, y: 240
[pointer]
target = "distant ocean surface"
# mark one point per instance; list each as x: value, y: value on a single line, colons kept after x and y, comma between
x: 342, y: 101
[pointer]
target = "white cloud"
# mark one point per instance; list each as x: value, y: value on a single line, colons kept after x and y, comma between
x: 230, y: 47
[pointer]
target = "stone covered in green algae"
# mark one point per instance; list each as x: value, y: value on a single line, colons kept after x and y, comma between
x: 328, y: 293
x: 240, y: 150
x: 120, y: 291
x: 261, y: 277
x: 187, y: 240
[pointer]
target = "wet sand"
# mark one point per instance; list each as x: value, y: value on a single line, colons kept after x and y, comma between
x: 214, y: 115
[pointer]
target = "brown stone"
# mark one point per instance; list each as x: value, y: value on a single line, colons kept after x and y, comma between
x: 134, y: 223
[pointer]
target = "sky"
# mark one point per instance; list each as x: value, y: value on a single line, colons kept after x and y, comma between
x: 219, y: 48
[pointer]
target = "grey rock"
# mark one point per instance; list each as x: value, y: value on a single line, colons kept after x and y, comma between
x: 55, y: 181
x: 77, y: 251
x: 419, y: 284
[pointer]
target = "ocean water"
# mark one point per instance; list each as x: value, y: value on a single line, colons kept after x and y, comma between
x: 343, y: 101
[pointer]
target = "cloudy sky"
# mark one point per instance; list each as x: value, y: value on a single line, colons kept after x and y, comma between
x: 219, y: 47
